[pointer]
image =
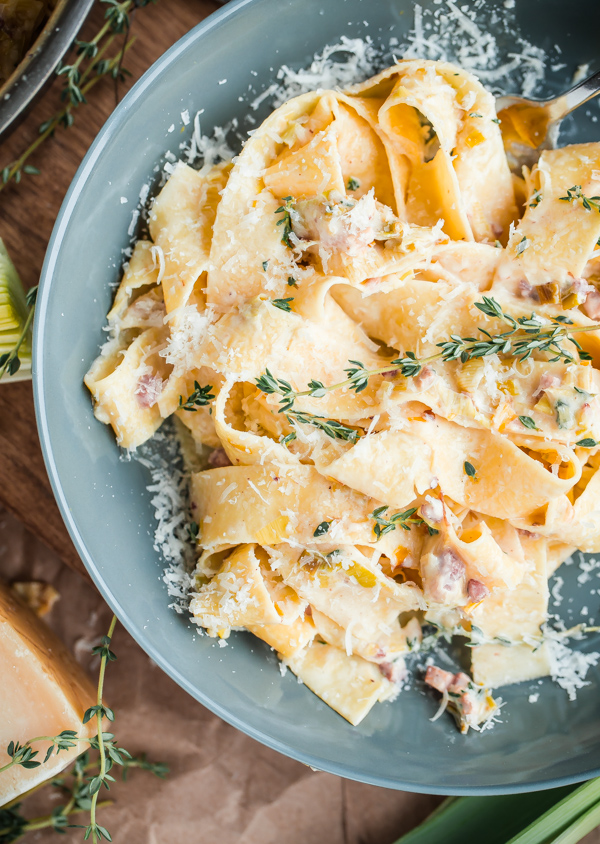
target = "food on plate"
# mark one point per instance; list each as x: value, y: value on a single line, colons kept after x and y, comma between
x: 387, y: 346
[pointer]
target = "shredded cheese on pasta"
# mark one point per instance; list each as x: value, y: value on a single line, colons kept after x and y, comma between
x: 392, y: 358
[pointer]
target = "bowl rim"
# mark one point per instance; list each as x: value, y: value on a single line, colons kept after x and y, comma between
x: 76, y: 187
x: 38, y: 64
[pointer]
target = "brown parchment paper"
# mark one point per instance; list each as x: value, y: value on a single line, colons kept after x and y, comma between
x: 223, y: 787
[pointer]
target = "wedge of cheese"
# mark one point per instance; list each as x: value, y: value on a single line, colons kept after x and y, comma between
x: 43, y: 691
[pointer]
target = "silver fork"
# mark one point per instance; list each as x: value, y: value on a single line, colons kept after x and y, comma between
x: 542, y: 118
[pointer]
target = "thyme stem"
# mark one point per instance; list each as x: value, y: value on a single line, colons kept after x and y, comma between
x: 99, y: 715
x: 10, y: 171
x: 45, y: 821
x: 22, y: 753
x: 526, y: 335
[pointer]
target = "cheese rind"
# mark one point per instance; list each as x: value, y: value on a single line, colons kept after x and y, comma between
x: 43, y: 691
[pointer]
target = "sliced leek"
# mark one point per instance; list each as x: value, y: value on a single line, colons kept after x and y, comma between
x: 16, y: 315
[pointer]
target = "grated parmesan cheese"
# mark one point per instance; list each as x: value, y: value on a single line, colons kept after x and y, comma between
x: 569, y: 667
x: 468, y: 36
x: 170, y: 500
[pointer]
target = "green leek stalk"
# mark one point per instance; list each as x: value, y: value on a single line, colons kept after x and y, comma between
x: 16, y: 314
x: 557, y: 816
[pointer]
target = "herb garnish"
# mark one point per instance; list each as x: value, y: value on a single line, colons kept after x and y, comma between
x: 522, y: 245
x: 288, y: 439
x: 334, y: 429
x: 575, y: 193
x: 353, y: 184
x: 525, y: 336
x: 528, y: 422
x: 536, y: 198
x: 292, y: 281
x: 403, y: 520
x: 265, y: 265
x: 24, y: 755
x: 587, y: 442
x: 286, y: 220
x: 470, y: 470
x: 322, y: 529
x: 199, y: 398
x: 283, y: 304
x: 563, y: 417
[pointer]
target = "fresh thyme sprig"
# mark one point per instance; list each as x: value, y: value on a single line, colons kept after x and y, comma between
x: 24, y: 754
x: 118, y: 21
x: 404, y: 520
x: 334, y: 429
x: 286, y: 220
x: 10, y: 361
x: 77, y: 79
x: 64, y: 117
x: 267, y: 383
x: 104, y: 742
x: 524, y: 336
x: 200, y: 397
x: 576, y: 194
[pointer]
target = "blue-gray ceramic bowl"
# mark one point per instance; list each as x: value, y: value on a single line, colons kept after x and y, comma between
x: 104, y: 501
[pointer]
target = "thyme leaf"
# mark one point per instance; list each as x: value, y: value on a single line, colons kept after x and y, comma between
x: 200, y: 397
x: 286, y: 220
x: 283, y: 304
x: 536, y: 198
x: 522, y: 245
x: 353, y: 184
x: 528, y: 422
x: 322, y: 529
x: 404, y: 520
x: 470, y: 470
x: 575, y: 194
x: 334, y: 429
x: 288, y: 439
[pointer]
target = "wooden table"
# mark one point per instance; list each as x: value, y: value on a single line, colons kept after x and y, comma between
x: 27, y: 214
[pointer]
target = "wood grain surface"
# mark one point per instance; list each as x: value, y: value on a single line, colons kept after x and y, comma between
x: 27, y: 214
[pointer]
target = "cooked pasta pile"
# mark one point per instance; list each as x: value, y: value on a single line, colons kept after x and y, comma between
x: 383, y: 339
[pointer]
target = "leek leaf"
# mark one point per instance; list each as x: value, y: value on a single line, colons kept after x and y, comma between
x: 495, y: 820
x: 15, y: 322
x: 568, y: 810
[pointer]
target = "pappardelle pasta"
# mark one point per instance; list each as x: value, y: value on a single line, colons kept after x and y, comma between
x: 386, y: 343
